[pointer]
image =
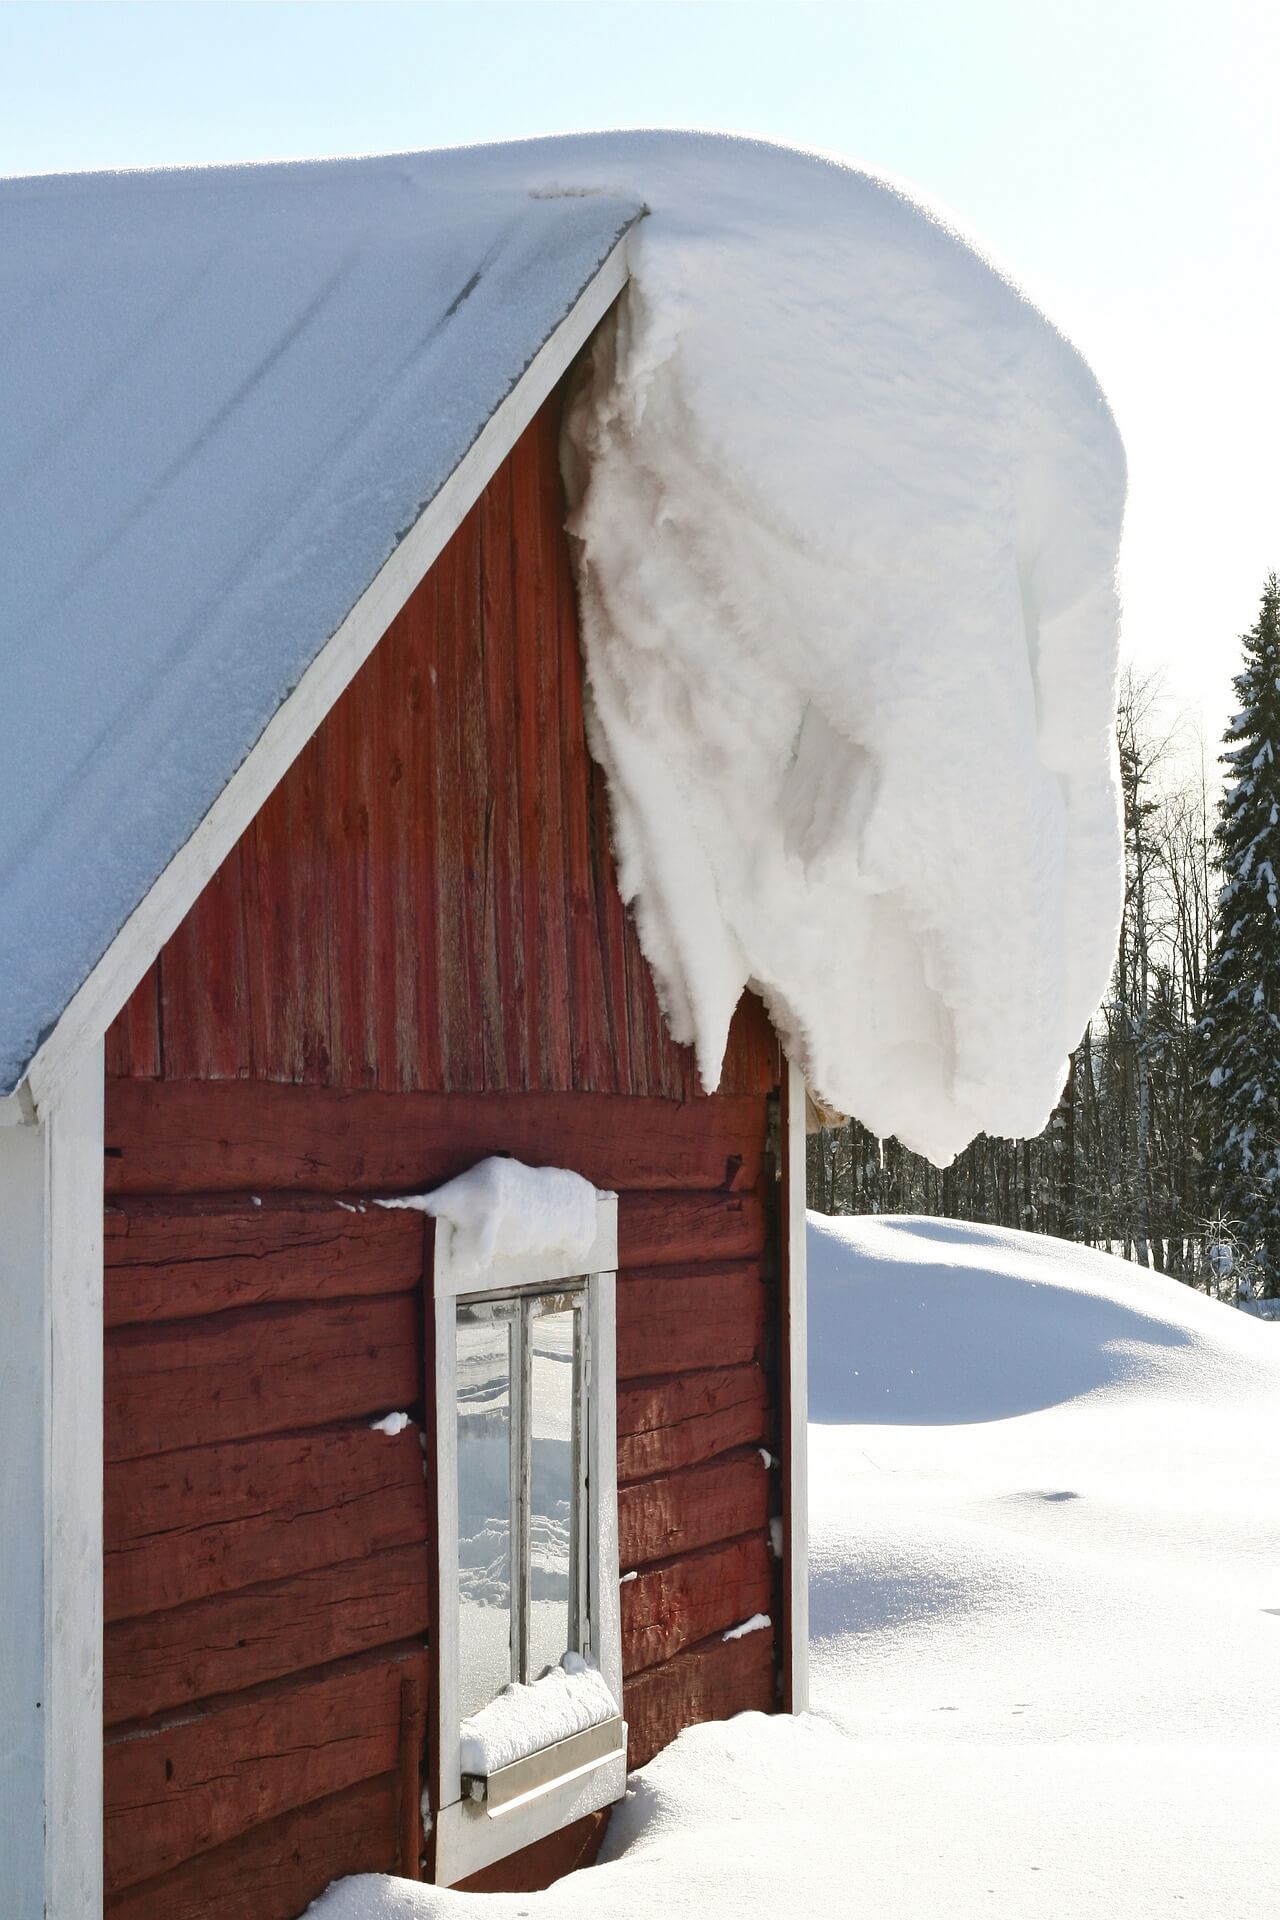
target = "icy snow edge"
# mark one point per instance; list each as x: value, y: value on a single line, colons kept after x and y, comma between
x: 847, y: 510
x: 520, y: 1720
x: 502, y: 1210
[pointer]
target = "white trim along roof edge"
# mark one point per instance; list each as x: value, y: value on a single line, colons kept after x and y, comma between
x: 113, y: 978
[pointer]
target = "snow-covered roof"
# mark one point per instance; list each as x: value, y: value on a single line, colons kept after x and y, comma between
x: 847, y: 507
x: 226, y: 395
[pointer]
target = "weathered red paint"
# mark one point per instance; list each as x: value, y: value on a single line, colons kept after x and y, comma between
x: 428, y: 901
x: 261, y: 1138
x: 415, y: 956
x: 716, y: 1678
x: 183, y: 1786
x: 266, y: 1871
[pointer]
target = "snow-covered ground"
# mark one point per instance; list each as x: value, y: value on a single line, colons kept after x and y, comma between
x: 1046, y: 1617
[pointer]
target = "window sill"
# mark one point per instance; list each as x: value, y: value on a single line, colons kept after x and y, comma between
x: 539, y: 1772
x: 470, y: 1835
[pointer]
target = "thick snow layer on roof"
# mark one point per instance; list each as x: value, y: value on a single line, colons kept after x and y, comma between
x: 227, y: 394
x: 1044, y: 1602
x: 850, y: 524
x: 848, y: 509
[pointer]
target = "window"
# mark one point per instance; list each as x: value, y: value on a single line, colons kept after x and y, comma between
x: 527, y: 1537
x: 522, y: 1550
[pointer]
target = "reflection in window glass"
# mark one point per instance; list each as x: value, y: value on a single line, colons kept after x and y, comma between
x: 552, y: 1555
x: 484, y: 1507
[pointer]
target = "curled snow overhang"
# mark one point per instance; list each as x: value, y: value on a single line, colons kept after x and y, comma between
x: 848, y: 510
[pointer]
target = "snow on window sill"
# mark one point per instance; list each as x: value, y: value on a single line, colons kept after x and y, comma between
x: 522, y: 1720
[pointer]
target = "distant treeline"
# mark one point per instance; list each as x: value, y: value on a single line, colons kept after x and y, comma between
x: 1121, y: 1164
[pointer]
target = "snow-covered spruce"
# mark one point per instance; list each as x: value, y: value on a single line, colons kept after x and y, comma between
x: 1241, y: 1026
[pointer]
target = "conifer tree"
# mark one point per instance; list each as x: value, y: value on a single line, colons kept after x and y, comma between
x: 1241, y: 1024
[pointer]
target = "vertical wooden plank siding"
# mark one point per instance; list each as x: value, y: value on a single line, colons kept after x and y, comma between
x: 133, y: 1041
x: 428, y: 901
x: 416, y: 955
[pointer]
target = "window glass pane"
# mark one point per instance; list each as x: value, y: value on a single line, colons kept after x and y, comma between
x: 484, y: 1507
x: 552, y: 1505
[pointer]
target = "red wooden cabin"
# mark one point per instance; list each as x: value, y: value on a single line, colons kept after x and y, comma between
x: 392, y: 946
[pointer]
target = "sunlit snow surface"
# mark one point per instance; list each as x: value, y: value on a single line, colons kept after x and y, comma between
x: 1046, y: 1617
x: 1046, y: 1491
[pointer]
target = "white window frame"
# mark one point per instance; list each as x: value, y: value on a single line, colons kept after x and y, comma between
x: 468, y: 1835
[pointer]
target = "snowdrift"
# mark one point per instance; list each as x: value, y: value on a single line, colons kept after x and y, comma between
x: 785, y: 1818
x: 937, y: 1322
x: 1049, y: 1508
x: 1046, y: 1636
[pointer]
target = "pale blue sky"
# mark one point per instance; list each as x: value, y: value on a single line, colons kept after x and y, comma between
x: 1122, y: 160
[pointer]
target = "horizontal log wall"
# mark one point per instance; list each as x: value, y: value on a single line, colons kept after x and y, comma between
x: 416, y: 956
x: 261, y: 1534
x: 267, y: 1575
x: 223, y: 1641
x: 276, y: 1865
x: 161, y: 1137
x: 183, y: 1788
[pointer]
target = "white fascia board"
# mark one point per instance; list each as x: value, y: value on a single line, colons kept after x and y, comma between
x: 96, y: 1003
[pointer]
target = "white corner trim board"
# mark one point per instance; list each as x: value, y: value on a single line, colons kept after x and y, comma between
x: 51, y: 1504
x: 112, y: 980
x: 795, y: 1653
